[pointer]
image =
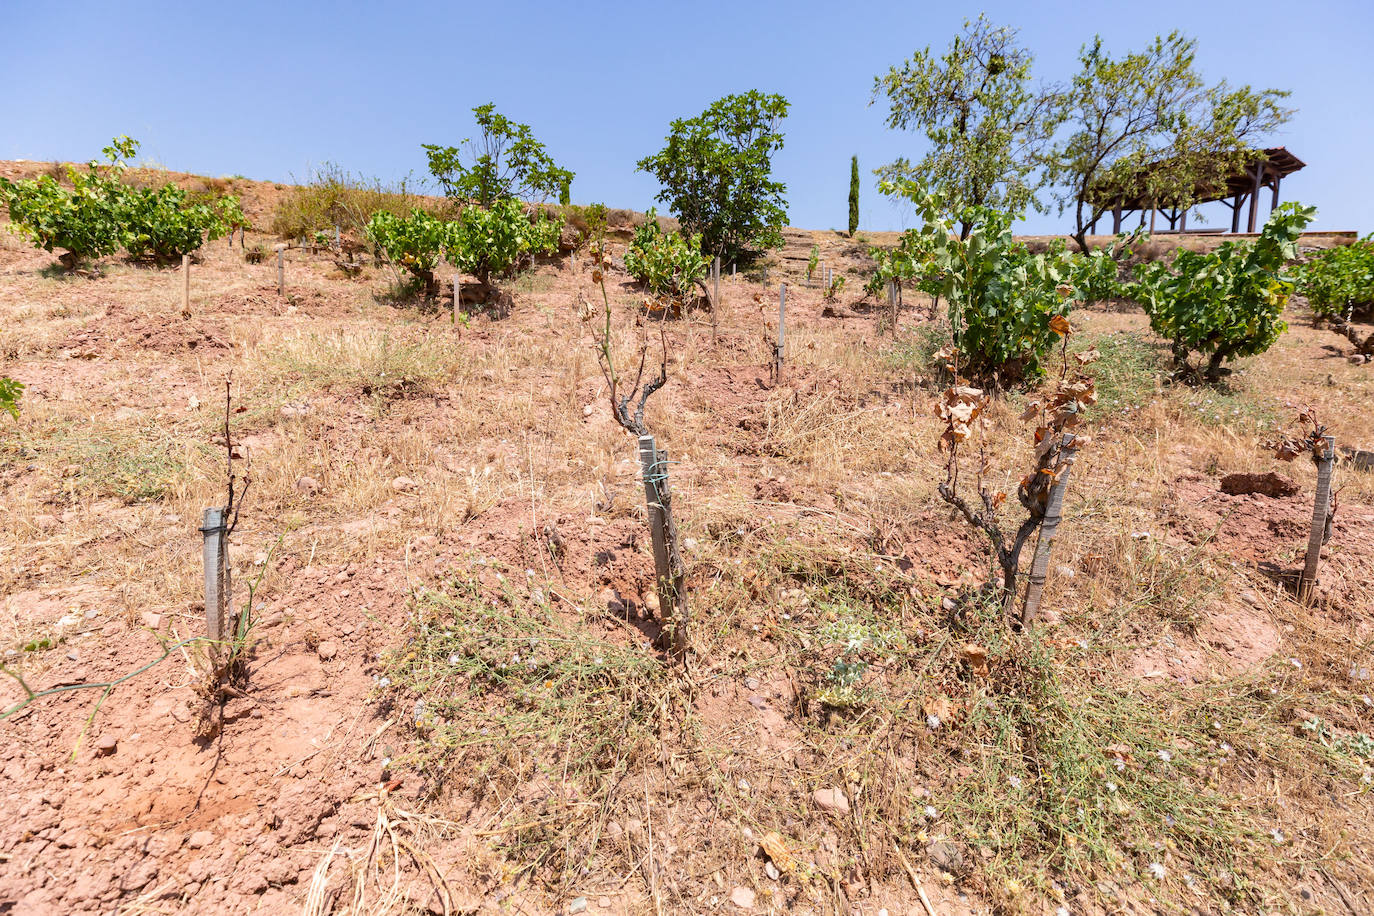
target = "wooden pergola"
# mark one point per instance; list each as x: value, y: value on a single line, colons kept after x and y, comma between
x: 1266, y: 171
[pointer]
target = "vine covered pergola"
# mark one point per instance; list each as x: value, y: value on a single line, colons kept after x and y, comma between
x: 1267, y: 169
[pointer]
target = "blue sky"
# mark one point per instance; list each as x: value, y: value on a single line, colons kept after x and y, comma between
x: 269, y: 90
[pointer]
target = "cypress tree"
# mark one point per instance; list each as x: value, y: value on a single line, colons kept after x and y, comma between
x: 853, y: 196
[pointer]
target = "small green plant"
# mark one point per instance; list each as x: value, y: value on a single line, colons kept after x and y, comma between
x: 836, y: 286
x: 10, y: 392
x: 411, y: 242
x: 1226, y: 303
x: 668, y: 264
x: 1339, y: 282
x: 812, y: 263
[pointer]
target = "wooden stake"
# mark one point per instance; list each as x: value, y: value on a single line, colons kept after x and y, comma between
x: 1054, y: 507
x: 715, y: 296
x: 281, y: 270
x: 186, y: 286
x: 457, y: 295
x: 1321, y: 515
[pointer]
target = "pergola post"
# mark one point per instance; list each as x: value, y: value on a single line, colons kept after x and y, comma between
x: 1116, y: 220
x: 1254, y: 195
x: 1274, y: 205
x: 1235, y: 212
x: 1183, y: 220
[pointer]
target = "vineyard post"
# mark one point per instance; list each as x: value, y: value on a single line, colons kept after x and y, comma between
x: 338, y: 236
x: 281, y: 270
x: 715, y: 297
x: 186, y: 286
x: 457, y: 295
x: 1054, y: 507
x: 1321, y: 517
x: 782, y: 329
x: 216, y: 555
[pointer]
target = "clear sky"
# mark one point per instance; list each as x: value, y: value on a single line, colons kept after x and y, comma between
x: 270, y: 90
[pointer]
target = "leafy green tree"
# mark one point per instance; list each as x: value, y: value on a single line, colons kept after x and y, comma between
x: 716, y: 175
x: 1147, y: 125
x: 1227, y: 302
x: 853, y: 195
x: 84, y: 220
x: 507, y: 163
x: 984, y: 122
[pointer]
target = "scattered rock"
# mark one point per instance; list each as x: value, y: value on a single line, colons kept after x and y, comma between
x: 771, y: 871
x: 831, y: 800
x: 200, y: 839
x: 152, y: 620
x: 579, y: 905
x: 604, y: 903
x: 327, y: 650
x: 404, y: 485
x: 106, y: 745
x: 1270, y: 484
x: 743, y: 898
x: 757, y: 701
x: 307, y: 485
x: 946, y: 856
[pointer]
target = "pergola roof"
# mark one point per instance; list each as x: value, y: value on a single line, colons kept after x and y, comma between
x: 1276, y: 162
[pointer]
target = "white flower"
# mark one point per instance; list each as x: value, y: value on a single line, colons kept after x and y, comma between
x: 1295, y: 663
x: 454, y: 659
x: 1111, y: 787
x: 1165, y: 756
x: 1278, y: 836
x: 932, y: 721
x: 1015, y: 781
x: 1119, y: 763
x: 1062, y: 911
x: 1156, y: 869
x: 1225, y: 748
x: 931, y: 813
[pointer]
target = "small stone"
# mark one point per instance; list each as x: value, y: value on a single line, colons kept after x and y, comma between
x: 758, y: 702
x: 579, y: 905
x: 327, y: 650
x: 1065, y: 572
x: 200, y: 839
x: 743, y: 898
x: 403, y: 485
x: 106, y: 745
x: 307, y: 485
x: 946, y: 856
x: 751, y: 683
x: 152, y: 620
x: 771, y: 870
x: 604, y: 903
x: 831, y: 800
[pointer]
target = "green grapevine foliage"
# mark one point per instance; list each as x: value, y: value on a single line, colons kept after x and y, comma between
x: 1228, y: 302
x: 1339, y: 282
x: 10, y: 392
x: 165, y: 223
x: 499, y: 240
x: 411, y: 242
x: 665, y: 262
